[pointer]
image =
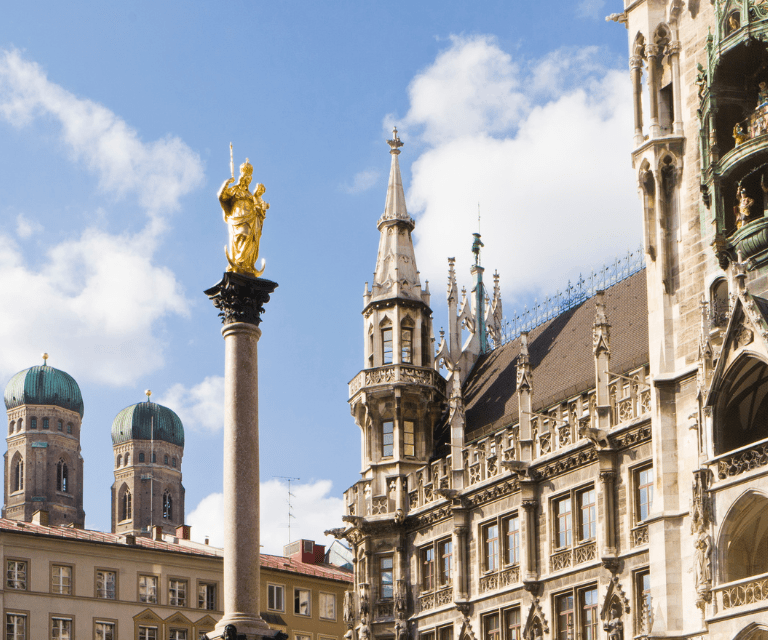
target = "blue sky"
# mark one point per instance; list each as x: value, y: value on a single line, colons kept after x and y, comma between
x: 115, y: 123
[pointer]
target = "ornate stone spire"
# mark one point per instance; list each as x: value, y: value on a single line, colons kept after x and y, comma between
x: 395, y: 206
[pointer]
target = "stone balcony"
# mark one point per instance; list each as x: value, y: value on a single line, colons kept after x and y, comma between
x: 396, y: 374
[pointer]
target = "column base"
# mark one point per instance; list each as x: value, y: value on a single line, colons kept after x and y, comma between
x: 242, y: 626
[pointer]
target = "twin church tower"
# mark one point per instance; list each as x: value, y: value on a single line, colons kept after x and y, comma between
x: 44, y: 466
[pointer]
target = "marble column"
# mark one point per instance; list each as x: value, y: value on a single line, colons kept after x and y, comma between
x: 240, y: 300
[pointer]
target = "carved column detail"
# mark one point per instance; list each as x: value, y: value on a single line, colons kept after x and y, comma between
x: 460, y: 589
x: 528, y: 559
x: 673, y: 49
x: 636, y: 76
x: 652, y: 52
x: 608, y: 521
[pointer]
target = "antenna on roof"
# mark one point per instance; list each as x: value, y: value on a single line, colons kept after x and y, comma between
x: 290, y: 495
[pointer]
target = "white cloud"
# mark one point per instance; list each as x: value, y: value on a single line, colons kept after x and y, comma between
x: 95, y: 300
x: 315, y: 511
x: 589, y: 8
x: 200, y: 406
x: 26, y: 227
x: 362, y: 181
x: 551, y: 169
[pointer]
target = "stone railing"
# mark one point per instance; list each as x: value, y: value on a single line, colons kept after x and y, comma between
x: 742, y: 460
x: 585, y: 553
x: 509, y: 576
x: 640, y: 536
x: 395, y: 373
x: 489, y: 582
x: 742, y: 592
x: 499, y: 579
x: 645, y: 402
x: 561, y: 560
x: 426, y: 602
x: 625, y: 409
x: 445, y: 596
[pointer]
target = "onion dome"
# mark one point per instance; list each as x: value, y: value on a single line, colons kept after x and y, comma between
x: 139, y: 421
x: 44, y: 385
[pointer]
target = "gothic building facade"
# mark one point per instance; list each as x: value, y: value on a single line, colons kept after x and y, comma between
x: 603, y: 474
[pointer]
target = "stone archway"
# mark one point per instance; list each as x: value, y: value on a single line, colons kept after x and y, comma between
x: 743, y: 541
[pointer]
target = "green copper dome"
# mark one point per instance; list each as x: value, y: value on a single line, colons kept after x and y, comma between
x: 44, y: 385
x: 137, y: 421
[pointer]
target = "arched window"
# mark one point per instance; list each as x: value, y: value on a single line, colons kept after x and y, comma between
x: 174, y: 463
x: 33, y: 422
x: 154, y: 458
x: 742, y: 410
x: 166, y: 460
x: 20, y: 426
x: 119, y: 461
x: 11, y: 427
x: 60, y: 425
x: 69, y: 428
x: 719, y: 307
x: 744, y: 538
x: 141, y: 457
x: 127, y: 459
x: 167, y: 506
x: 62, y: 476
x: 126, y: 506
x: 18, y: 474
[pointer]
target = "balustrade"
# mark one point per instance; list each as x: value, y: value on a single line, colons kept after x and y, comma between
x: 742, y: 460
x: 397, y: 373
x: 742, y: 592
x: 561, y: 560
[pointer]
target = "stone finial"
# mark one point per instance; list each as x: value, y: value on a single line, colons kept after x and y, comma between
x: 601, y: 328
x: 395, y: 143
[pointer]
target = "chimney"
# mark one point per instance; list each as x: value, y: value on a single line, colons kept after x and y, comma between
x: 207, y: 540
x: 40, y: 517
x: 183, y: 532
x: 130, y: 539
x: 157, y: 533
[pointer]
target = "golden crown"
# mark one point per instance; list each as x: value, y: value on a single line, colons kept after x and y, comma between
x: 246, y: 169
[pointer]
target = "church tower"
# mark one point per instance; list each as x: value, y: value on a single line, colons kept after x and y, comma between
x: 148, y: 445
x: 43, y: 465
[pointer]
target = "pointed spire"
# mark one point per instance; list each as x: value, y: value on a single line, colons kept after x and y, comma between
x: 395, y: 209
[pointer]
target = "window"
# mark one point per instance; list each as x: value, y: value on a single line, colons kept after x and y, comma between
x: 275, y: 595
x: 425, y: 346
x: 173, y: 462
x: 386, y: 343
x: 167, y: 506
x: 46, y: 424
x: 428, y: 635
x: 127, y: 459
x: 60, y: 425
x: 21, y: 425
x: 33, y: 423
x: 406, y: 346
x: 61, y: 579
x: 154, y: 458
x: 61, y: 629
x: 512, y: 540
x: 587, y: 515
x: 148, y: 589
x: 18, y: 475
x: 177, y: 634
x: 409, y: 448
x: 388, y: 438
x: 106, y: 584
x: 385, y: 578
x: 589, y: 614
x: 141, y: 457
x: 206, y: 596
x: 564, y: 606
x: 302, y: 636
x: 327, y: 606
x: 11, y: 427
x: 428, y: 568
x: 105, y: 630
x: 445, y: 553
x: 165, y: 460
x: 148, y: 633
x: 643, y: 599
x: 581, y: 621
x: 69, y: 428
x: 119, y: 462
x: 16, y: 574
x: 445, y: 633
x: 513, y: 624
x: 564, y: 522
x: 15, y: 626
x: 301, y: 602
x: 125, y: 506
x: 491, y: 547
x: 177, y: 593
x: 62, y: 476
x: 491, y: 630
x: 644, y: 491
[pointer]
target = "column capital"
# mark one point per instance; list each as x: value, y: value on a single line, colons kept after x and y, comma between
x: 674, y: 48
x: 635, y: 62
x: 240, y: 298
x: 607, y: 476
x: 529, y: 504
x: 652, y: 50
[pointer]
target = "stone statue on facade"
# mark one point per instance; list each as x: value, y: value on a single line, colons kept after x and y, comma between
x: 745, y: 204
x: 244, y: 213
x: 401, y: 630
x: 349, y: 608
x: 363, y: 631
x: 703, y: 563
x: 614, y: 626
x: 401, y: 600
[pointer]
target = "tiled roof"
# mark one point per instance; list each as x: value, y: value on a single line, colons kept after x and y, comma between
x: 561, y: 356
x: 320, y: 570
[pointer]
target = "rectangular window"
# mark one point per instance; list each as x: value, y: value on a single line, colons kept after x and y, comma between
x: 15, y: 626
x: 513, y: 624
x: 275, y: 599
x: 61, y: 629
x: 61, y: 579
x: 33, y: 423
x: 206, y: 596
x: 177, y: 593
x: 512, y: 540
x: 148, y: 589
x: 45, y: 423
x: 406, y: 346
x: 106, y: 585
x: 105, y: 631
x: 445, y: 633
x: 587, y: 515
x: 16, y: 574
x: 563, y: 522
x: 445, y: 553
x: 428, y: 635
x: 327, y: 606
x: 589, y: 614
x: 643, y: 599
x: 387, y: 438
x: 301, y: 602
x: 147, y: 633
x: 564, y: 606
x: 644, y: 483
x: 386, y: 343
x: 491, y: 547
x: 178, y: 634
x: 409, y: 444
x: 301, y: 636
x: 385, y: 578
x: 427, y: 568
x: 60, y: 426
x: 491, y: 630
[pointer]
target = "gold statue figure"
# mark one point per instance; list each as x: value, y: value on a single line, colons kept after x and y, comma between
x: 244, y: 213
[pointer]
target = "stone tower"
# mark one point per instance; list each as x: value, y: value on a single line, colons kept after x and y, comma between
x: 43, y: 465
x: 148, y: 444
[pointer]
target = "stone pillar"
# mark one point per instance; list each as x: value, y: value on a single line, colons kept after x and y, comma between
x: 461, y: 564
x: 673, y: 48
x: 240, y: 301
x: 525, y: 400
x: 528, y: 571
x: 608, y: 521
x: 636, y: 75
x: 652, y: 53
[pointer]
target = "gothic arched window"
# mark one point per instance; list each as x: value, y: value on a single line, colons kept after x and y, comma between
x: 11, y: 427
x: 119, y: 461
x: 126, y: 506
x: 166, y: 460
x: 744, y: 538
x: 174, y: 463
x: 141, y: 457
x: 742, y: 409
x: 127, y: 459
x: 69, y: 427
x: 719, y: 306
x: 62, y: 476
x: 18, y: 474
x: 167, y: 506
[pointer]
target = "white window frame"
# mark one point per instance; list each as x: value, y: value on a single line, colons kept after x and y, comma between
x: 322, y: 595
x: 273, y: 588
